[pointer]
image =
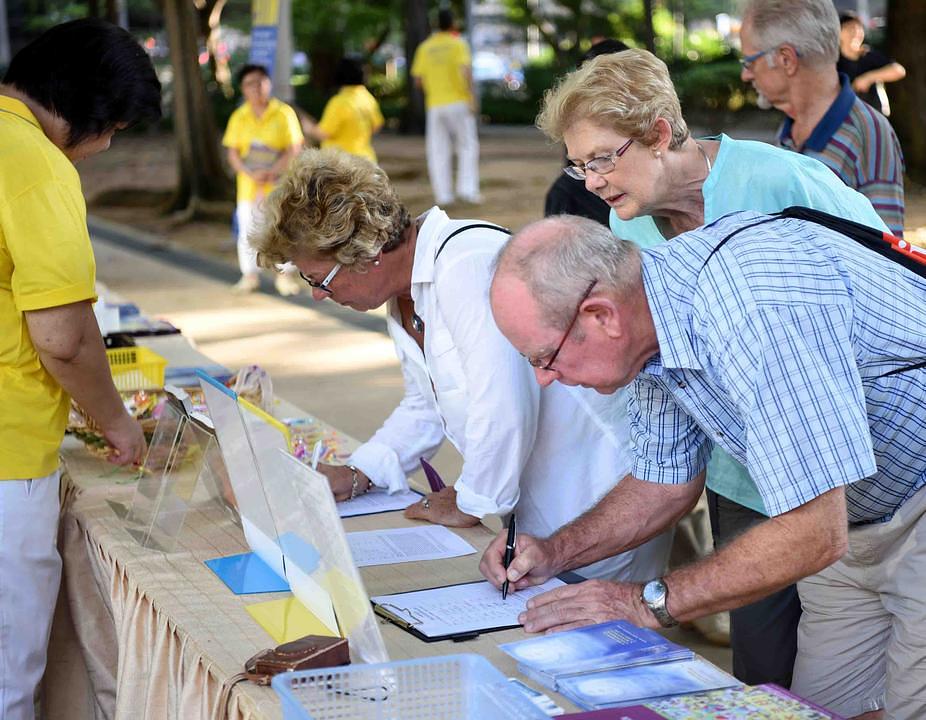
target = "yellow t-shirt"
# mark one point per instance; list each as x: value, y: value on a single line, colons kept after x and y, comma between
x: 350, y: 119
x: 260, y: 141
x: 46, y: 260
x: 439, y: 62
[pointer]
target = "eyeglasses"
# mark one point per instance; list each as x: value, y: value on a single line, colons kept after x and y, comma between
x: 538, y: 362
x: 747, y: 60
x: 600, y: 165
x: 323, y: 285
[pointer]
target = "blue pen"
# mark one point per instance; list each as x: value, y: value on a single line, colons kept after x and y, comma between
x: 433, y: 478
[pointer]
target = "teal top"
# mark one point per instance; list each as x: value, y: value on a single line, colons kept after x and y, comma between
x: 748, y: 175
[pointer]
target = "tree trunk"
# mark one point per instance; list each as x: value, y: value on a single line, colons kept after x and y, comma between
x: 416, y: 32
x: 203, y: 179
x: 649, y: 32
x: 906, y: 20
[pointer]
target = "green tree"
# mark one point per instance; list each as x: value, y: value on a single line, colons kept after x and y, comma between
x: 204, y: 186
x: 326, y: 31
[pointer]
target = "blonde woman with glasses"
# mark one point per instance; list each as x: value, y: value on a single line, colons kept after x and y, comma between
x: 549, y: 454
x: 621, y: 121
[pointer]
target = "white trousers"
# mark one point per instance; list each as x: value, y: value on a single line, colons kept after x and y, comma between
x: 248, y: 213
x: 30, y: 572
x: 452, y: 128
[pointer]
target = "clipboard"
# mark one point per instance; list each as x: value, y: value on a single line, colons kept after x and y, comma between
x: 384, y: 611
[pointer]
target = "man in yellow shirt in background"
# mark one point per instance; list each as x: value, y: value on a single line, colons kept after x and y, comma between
x: 262, y: 136
x: 62, y: 99
x: 443, y: 69
x: 351, y: 117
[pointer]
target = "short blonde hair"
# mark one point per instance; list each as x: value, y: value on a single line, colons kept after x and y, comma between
x: 330, y: 206
x: 627, y: 91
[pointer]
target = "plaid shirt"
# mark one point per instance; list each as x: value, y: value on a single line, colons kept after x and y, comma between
x: 776, y: 350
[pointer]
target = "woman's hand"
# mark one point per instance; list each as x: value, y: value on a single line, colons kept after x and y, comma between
x: 441, y: 508
x: 340, y: 477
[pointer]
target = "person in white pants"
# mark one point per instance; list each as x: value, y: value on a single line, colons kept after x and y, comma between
x: 442, y: 68
x: 62, y: 99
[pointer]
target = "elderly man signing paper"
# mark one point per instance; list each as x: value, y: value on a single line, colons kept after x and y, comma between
x: 791, y: 346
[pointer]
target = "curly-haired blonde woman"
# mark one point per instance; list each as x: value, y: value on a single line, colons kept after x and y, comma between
x: 550, y: 453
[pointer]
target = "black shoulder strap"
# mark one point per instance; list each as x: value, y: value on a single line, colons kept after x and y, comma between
x: 464, y: 229
x: 889, y: 246
x: 885, y: 244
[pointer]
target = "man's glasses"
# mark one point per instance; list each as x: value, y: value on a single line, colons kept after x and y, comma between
x: 747, y: 61
x: 600, y: 165
x: 323, y: 285
x: 548, y: 365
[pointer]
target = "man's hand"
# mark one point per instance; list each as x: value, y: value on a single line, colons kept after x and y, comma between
x: 532, y: 563
x: 441, y: 508
x: 127, y: 440
x: 340, y: 477
x: 593, y: 601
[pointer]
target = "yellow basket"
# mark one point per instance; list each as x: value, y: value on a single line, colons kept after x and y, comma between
x: 136, y: 368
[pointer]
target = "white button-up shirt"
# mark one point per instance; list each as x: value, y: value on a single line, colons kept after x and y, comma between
x: 552, y: 452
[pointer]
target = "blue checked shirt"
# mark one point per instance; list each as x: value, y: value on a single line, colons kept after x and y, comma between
x: 776, y: 350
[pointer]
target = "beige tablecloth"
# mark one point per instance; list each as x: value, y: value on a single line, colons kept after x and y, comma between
x: 142, y: 634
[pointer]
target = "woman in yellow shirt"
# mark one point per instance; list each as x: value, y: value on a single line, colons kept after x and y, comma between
x: 351, y: 117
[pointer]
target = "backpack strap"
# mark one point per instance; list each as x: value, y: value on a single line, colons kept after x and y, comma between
x: 464, y: 229
x: 889, y: 246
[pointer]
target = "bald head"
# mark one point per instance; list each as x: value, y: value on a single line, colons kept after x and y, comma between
x: 569, y: 296
x: 558, y: 257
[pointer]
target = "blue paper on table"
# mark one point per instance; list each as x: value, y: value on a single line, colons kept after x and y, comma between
x: 635, y: 685
x: 606, y: 646
x: 247, y: 574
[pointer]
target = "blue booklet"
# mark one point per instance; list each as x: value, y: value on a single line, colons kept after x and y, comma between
x: 645, y: 683
x: 606, y: 646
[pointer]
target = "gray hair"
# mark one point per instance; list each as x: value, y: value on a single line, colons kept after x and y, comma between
x: 559, y: 268
x: 810, y: 26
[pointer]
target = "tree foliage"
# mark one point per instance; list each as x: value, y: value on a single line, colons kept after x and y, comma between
x: 326, y: 31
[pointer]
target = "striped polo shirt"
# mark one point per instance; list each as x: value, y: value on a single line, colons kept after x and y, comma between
x: 858, y: 144
x: 785, y: 348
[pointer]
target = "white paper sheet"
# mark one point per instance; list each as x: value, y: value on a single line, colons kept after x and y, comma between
x: 377, y: 501
x: 399, y: 545
x: 459, y: 609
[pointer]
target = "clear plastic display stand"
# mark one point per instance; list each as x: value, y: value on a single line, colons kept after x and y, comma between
x: 319, y: 563
x: 243, y: 473
x: 182, y: 472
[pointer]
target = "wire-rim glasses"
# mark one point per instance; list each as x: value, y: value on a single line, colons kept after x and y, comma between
x: 538, y: 362
x: 601, y: 165
x: 323, y: 285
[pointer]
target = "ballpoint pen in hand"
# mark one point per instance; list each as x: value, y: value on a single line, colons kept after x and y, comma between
x: 431, y: 474
x: 316, y: 454
x: 509, y: 554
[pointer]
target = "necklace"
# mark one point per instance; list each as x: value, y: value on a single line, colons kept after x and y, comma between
x: 707, y: 160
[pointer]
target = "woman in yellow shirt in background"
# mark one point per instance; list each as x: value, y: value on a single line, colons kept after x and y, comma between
x: 351, y: 117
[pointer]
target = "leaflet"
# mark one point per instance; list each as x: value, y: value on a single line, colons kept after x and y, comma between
x: 400, y: 545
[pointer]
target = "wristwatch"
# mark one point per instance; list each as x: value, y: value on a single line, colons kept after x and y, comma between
x: 654, y: 596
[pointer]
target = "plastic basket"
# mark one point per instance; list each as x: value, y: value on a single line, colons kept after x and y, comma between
x: 451, y: 687
x: 136, y: 368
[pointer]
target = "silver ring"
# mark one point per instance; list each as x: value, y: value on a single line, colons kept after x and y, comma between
x: 426, y: 504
